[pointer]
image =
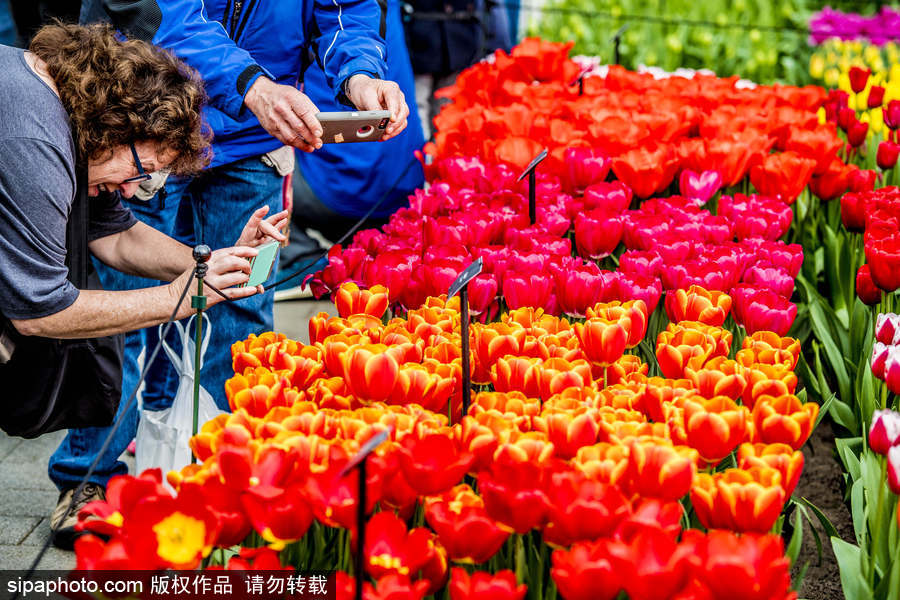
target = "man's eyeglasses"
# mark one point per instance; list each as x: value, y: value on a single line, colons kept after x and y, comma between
x: 142, y: 175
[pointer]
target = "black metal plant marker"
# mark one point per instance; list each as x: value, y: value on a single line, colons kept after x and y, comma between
x: 359, y: 461
x: 529, y: 171
x: 461, y: 285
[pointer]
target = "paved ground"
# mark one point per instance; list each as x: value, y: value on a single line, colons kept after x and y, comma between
x: 26, y: 494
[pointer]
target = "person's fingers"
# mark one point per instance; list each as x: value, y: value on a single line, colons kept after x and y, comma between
x: 306, y: 112
x: 244, y: 252
x: 228, y: 280
x: 271, y: 231
x: 227, y: 264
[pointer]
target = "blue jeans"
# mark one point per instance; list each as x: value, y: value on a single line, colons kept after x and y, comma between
x: 211, y: 208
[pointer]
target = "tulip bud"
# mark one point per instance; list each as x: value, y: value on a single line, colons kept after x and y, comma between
x: 885, y: 431
x: 893, y: 469
x: 887, y: 155
x: 856, y: 133
x: 876, y: 96
x: 879, y: 357
x: 892, y: 115
x: 858, y: 79
x: 868, y: 292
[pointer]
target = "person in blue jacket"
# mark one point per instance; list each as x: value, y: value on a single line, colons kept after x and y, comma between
x: 251, y: 55
x: 336, y: 185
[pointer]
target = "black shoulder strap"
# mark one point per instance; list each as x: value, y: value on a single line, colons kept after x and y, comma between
x: 77, y: 254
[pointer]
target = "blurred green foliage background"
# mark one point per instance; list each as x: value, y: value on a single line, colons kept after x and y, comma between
x: 769, y: 45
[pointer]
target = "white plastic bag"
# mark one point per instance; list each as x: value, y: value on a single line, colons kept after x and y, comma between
x: 163, y: 436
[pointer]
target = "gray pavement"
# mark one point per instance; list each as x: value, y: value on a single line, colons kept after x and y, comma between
x: 27, y: 496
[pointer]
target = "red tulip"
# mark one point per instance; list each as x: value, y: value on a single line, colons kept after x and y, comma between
x: 885, y: 431
x: 892, y: 115
x: 587, y: 571
x: 777, y: 280
x: 529, y: 289
x: 832, y: 182
x: 879, y: 358
x: 893, y: 469
x: 653, y: 564
x: 463, y: 526
x: 863, y: 180
x: 584, y: 167
x: 853, y: 211
x: 434, y: 462
x: 749, y: 566
x: 887, y: 328
x: 646, y: 169
x: 638, y: 287
x: 762, y: 310
x: 391, y: 549
x: 513, y: 494
x: 858, y: 78
x: 876, y: 96
x: 868, y: 292
x: 597, y: 234
x: 610, y: 198
x: 887, y: 154
x: 578, y: 288
x: 883, y: 258
x: 485, y: 586
x: 581, y: 509
x: 856, y: 133
x: 699, y: 186
x: 783, y: 174
x: 602, y: 340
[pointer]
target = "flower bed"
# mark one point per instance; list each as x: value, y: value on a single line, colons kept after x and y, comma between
x: 577, y: 466
x: 617, y: 441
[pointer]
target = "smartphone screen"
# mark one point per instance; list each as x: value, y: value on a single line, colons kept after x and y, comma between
x: 261, y: 264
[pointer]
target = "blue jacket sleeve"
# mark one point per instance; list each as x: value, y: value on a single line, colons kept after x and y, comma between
x: 349, y: 41
x: 183, y: 27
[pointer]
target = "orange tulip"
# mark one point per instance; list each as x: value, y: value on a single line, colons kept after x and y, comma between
x: 350, y: 300
x: 558, y: 374
x: 479, y: 439
x: 516, y: 373
x: 658, y: 392
x: 714, y: 427
x: 657, y: 470
x: 370, y: 371
x: 514, y: 406
x: 683, y: 349
x: 567, y: 432
x: 783, y: 419
x: 491, y: 342
x: 769, y: 348
x: 603, y: 461
x: 628, y: 368
x: 737, y: 499
x: 251, y: 352
x: 416, y: 385
x: 636, y: 310
x: 603, y: 341
x: 322, y: 325
x: 772, y: 380
x: 698, y: 304
x: 781, y: 457
x: 718, y: 377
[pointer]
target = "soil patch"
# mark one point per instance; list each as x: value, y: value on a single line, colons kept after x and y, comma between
x: 822, y: 483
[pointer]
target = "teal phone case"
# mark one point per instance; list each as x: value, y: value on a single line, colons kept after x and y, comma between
x: 261, y: 264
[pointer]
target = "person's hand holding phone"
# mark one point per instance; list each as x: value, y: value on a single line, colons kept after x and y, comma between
x: 367, y: 93
x: 228, y: 269
x: 286, y: 113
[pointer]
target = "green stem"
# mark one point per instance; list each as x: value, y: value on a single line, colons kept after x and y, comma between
x: 876, y: 535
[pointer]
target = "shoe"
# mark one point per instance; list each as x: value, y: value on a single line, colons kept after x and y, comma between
x: 63, y: 520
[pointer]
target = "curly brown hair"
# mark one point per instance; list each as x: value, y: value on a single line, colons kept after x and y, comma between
x: 117, y: 92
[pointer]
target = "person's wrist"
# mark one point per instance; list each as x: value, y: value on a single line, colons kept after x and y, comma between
x: 251, y: 98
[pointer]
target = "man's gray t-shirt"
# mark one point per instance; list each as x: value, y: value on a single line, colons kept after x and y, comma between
x: 37, y: 187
